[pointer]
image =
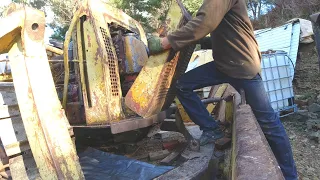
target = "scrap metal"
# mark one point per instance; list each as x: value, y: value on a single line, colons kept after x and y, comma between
x: 154, y: 88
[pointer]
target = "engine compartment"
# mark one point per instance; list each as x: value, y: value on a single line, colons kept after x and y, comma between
x: 131, y: 52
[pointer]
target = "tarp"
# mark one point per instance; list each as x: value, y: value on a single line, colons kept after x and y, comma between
x: 98, y: 165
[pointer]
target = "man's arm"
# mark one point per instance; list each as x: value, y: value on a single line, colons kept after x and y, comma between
x: 207, y: 20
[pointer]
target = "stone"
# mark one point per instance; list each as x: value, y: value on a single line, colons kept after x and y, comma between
x: 167, y: 134
x: 315, y: 136
x: 153, y: 156
x: 313, y: 124
x: 130, y: 148
x: 303, y: 112
x: 292, y: 137
x: 142, y: 156
x: 298, y: 97
x: 313, y: 115
x: 219, y: 154
x: 303, y: 115
x: 154, y: 130
x: 314, y: 108
x: 301, y: 103
x: 223, y: 143
x: 318, y: 99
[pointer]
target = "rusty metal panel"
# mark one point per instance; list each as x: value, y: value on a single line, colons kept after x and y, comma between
x: 41, y: 111
x: 136, y: 123
x: 153, y: 89
x: 136, y: 54
x: 75, y: 113
x: 99, y: 71
x: 93, y: 81
x: 112, y: 15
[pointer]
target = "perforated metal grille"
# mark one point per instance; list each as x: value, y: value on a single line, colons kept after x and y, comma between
x: 111, y: 63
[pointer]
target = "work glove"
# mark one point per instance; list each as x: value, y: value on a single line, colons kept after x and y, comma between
x: 154, y: 45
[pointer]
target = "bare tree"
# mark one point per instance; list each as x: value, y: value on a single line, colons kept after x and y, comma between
x: 258, y: 7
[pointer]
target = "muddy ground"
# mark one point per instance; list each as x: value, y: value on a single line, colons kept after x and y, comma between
x: 306, y: 84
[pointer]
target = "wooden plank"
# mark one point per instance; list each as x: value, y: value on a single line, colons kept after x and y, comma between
x: 4, y: 161
x: 6, y: 86
x: 9, y: 111
x: 24, y: 167
x: 13, y: 135
x: 173, y: 155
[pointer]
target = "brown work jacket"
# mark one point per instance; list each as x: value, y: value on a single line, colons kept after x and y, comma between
x: 234, y: 47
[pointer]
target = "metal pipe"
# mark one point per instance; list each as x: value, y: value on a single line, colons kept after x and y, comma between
x: 54, y: 49
x: 204, y: 101
x: 73, y: 61
x: 74, y: 21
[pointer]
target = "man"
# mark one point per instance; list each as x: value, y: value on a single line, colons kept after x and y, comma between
x: 237, y: 62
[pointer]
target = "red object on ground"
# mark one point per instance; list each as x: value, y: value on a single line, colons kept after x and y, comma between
x: 171, y: 145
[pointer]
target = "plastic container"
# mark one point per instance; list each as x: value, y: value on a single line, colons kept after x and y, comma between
x: 276, y: 76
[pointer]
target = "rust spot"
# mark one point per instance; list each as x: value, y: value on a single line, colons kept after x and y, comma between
x: 99, y: 54
x: 89, y: 41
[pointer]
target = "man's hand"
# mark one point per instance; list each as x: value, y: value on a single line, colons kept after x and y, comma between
x: 157, y: 45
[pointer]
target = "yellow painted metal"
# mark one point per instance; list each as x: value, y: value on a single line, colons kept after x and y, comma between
x: 185, y: 117
x: 113, y: 15
x: 144, y: 97
x: 44, y: 121
x: 99, y: 71
x: 10, y: 31
x: 54, y: 50
x: 66, y: 58
x: 97, y: 105
x: 222, y: 88
x: 5, y: 78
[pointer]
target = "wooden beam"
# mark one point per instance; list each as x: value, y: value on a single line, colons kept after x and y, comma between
x: 9, y: 111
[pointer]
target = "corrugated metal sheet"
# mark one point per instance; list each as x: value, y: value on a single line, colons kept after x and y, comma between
x: 283, y: 38
x: 275, y: 39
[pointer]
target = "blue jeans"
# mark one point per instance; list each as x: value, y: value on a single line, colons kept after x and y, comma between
x: 256, y: 97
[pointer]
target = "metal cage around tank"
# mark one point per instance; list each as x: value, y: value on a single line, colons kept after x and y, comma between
x: 277, y: 79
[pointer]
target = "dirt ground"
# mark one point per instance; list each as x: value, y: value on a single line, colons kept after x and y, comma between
x: 306, y: 152
x: 307, y: 76
x: 307, y: 84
